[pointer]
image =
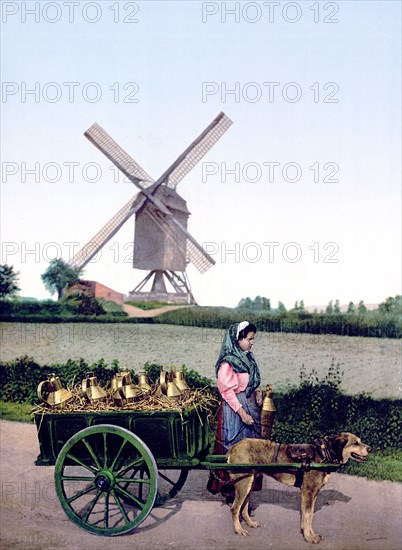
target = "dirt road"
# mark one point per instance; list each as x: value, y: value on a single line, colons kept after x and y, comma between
x: 351, y: 513
x: 133, y: 311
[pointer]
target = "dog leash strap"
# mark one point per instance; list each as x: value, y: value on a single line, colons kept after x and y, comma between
x: 276, y: 452
x: 324, y: 451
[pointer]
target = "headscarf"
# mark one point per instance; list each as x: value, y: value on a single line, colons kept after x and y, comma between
x: 239, y: 360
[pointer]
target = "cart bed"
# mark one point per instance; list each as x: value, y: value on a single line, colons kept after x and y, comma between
x: 172, y: 437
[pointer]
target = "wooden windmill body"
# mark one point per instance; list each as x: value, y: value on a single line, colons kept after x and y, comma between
x: 162, y: 244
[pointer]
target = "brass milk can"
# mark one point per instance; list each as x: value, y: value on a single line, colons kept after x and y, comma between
x: 123, y: 390
x: 162, y: 386
x: 128, y: 389
x: 91, y: 388
x: 143, y: 382
x: 179, y: 380
x: 172, y: 390
x: 52, y: 393
x: 267, y: 413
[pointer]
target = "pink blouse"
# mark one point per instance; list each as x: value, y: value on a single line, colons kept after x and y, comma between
x: 230, y: 383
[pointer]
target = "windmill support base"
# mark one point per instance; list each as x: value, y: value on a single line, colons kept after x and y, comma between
x: 181, y: 293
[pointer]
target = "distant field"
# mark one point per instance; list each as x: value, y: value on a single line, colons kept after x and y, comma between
x: 370, y: 364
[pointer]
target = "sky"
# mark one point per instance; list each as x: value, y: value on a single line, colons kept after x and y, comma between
x: 299, y: 200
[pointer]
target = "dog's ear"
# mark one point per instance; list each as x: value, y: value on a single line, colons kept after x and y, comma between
x: 337, y: 443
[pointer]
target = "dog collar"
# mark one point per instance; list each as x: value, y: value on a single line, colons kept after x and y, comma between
x: 325, y: 452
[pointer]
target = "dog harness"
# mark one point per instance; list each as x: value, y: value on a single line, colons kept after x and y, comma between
x: 297, y: 453
x: 305, y: 454
x: 326, y: 453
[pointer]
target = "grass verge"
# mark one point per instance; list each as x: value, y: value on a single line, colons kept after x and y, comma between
x: 15, y: 412
x: 384, y: 464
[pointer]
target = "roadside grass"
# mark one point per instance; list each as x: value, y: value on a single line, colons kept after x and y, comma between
x: 15, y: 412
x: 382, y: 465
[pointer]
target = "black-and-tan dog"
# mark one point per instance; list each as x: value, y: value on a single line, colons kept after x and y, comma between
x: 336, y: 449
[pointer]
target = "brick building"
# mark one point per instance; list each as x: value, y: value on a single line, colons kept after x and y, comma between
x: 95, y: 289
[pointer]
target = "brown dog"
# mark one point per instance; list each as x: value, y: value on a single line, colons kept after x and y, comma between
x: 334, y: 449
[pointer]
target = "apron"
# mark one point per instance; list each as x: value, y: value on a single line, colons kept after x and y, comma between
x: 230, y: 430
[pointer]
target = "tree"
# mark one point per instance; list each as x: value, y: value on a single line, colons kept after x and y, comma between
x: 257, y: 304
x: 391, y: 305
x: 8, y: 281
x: 351, y: 308
x: 299, y: 306
x: 281, y: 307
x: 245, y: 303
x: 337, y: 307
x: 361, y: 308
x: 58, y: 275
x: 266, y: 304
x: 329, y: 308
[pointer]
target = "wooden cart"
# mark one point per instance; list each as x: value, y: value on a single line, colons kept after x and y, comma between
x: 113, y: 467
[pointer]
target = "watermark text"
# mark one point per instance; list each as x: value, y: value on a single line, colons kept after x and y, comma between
x: 270, y: 92
x: 70, y: 12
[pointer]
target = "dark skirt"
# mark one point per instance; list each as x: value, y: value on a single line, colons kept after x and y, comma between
x: 230, y: 430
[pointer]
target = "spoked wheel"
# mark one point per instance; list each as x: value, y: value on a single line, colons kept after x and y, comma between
x: 170, y: 483
x: 106, y: 480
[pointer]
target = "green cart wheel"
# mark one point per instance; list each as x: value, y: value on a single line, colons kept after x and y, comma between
x: 170, y: 483
x: 106, y: 480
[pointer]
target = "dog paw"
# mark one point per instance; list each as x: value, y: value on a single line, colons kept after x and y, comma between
x: 314, y: 538
x: 253, y: 524
x: 242, y: 532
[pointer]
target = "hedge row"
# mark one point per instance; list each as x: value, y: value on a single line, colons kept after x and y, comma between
x: 19, y: 379
x: 56, y: 312
x: 319, y: 407
x: 314, y: 407
x: 371, y: 324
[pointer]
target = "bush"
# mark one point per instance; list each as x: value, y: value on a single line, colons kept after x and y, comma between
x: 371, y: 324
x: 378, y: 324
x: 29, y: 307
x: 19, y: 379
x: 76, y: 308
x: 82, y: 304
x: 314, y: 407
x: 318, y: 407
x: 112, y: 308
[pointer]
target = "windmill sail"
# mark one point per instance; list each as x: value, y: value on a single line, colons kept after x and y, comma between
x: 112, y: 150
x: 199, y: 148
x: 194, y: 152
x: 105, y: 234
x: 159, y: 213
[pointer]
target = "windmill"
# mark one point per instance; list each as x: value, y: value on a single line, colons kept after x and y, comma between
x: 162, y: 245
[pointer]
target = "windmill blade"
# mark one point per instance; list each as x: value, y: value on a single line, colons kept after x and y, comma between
x: 88, y: 251
x: 194, y: 251
x: 196, y: 254
x: 198, y: 257
x: 106, y: 144
x: 194, y: 152
x: 171, y: 177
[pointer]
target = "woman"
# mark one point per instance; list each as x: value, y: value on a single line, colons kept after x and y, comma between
x: 238, y: 378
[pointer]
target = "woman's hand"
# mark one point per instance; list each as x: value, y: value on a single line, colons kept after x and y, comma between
x: 259, y: 397
x: 246, y: 418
